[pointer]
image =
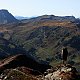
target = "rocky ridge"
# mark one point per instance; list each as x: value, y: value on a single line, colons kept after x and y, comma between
x: 62, y: 73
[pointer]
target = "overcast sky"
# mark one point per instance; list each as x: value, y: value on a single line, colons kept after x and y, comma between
x: 41, y: 7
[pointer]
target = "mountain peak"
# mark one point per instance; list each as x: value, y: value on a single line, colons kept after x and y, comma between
x: 3, y: 10
x: 6, y: 17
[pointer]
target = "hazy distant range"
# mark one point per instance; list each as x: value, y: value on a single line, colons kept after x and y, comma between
x: 21, y: 17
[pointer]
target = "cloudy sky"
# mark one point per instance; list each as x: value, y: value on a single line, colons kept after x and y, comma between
x: 30, y: 8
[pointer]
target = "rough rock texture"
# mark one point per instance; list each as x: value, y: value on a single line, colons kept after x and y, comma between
x: 62, y: 72
x: 15, y: 74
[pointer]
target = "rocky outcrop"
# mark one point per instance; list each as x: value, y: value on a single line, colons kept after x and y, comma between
x: 15, y: 74
x: 18, y: 66
x: 62, y: 73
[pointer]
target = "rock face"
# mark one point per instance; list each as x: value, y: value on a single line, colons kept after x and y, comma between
x: 6, y: 17
x: 62, y: 73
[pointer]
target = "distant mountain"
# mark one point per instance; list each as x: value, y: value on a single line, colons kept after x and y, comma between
x: 6, y: 17
x: 21, y: 17
x: 53, y: 17
x: 24, y: 18
x: 59, y: 18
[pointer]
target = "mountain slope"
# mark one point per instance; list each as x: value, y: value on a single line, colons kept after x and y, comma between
x: 6, y: 17
x: 43, y: 37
